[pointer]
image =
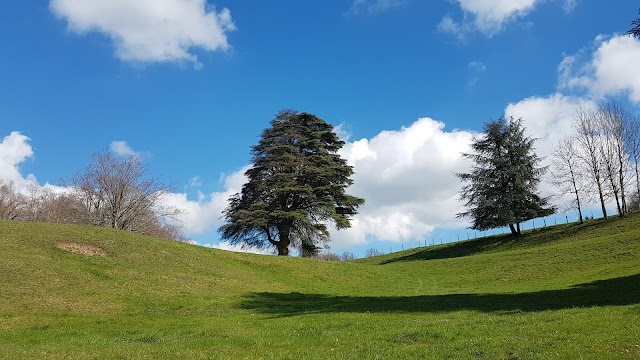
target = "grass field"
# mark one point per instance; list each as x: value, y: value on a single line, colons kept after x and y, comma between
x: 564, y: 292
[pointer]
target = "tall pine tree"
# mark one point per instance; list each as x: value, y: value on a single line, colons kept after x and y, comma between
x: 502, y: 187
x: 295, y: 188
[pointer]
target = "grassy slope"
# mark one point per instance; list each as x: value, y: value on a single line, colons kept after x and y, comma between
x: 564, y: 292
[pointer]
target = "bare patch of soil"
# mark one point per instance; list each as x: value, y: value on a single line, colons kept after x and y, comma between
x: 84, y: 249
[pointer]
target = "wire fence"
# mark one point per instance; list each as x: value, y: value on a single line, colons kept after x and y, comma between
x: 455, y: 237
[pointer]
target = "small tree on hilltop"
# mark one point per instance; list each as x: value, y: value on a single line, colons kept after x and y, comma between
x: 501, y: 188
x: 117, y: 192
x: 295, y: 187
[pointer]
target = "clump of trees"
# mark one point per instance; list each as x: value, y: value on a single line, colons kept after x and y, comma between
x: 599, y: 160
x: 501, y: 188
x: 372, y: 252
x: 329, y: 256
x: 111, y: 191
x: 118, y: 192
x: 296, y: 188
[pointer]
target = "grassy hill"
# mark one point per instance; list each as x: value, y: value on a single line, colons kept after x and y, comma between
x: 77, y: 292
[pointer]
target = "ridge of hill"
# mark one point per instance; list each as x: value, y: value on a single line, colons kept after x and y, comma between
x: 82, y: 292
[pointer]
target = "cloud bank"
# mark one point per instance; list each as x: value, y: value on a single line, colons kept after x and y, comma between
x: 150, y: 31
x: 14, y: 150
x: 408, y: 179
x: 612, y: 69
x: 490, y: 17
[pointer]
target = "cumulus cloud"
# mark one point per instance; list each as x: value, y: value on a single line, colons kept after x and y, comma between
x: 609, y: 70
x: 487, y: 16
x: 547, y: 118
x: 122, y: 148
x: 14, y: 150
x: 239, y: 248
x: 407, y: 177
x: 371, y: 7
x: 150, y: 31
x: 205, y: 213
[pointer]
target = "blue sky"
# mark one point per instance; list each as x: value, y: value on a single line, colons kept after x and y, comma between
x: 190, y: 85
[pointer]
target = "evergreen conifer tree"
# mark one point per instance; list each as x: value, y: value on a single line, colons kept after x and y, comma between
x: 501, y: 188
x: 295, y: 188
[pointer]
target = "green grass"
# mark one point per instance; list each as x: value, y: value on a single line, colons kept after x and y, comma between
x: 564, y: 292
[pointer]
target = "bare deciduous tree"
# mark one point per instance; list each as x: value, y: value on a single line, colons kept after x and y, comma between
x: 632, y: 142
x: 373, y: 252
x: 12, y: 203
x: 347, y: 256
x: 587, y: 139
x: 118, y: 192
x: 611, y: 120
x: 565, y: 172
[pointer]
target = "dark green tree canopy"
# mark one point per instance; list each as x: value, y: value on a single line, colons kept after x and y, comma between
x: 296, y: 188
x: 501, y: 188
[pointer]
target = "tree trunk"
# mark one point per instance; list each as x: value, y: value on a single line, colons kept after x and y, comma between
x: 283, y: 250
x: 579, y: 210
x: 614, y: 187
x: 604, y: 209
x: 623, y: 197
x: 284, y: 241
x: 518, y: 228
x: 513, y: 230
x: 615, y: 195
x: 575, y: 189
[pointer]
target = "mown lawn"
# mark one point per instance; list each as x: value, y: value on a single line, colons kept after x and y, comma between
x: 565, y: 292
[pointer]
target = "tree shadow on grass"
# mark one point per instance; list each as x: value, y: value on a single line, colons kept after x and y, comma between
x: 497, y: 243
x: 616, y: 291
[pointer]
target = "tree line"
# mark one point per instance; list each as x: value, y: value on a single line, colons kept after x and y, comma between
x: 297, y: 184
x: 598, y: 161
x: 111, y: 191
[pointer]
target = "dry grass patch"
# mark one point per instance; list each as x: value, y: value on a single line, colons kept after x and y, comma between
x: 83, y: 249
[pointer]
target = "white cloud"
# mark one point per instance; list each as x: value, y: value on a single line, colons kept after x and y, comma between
x: 150, y: 31
x: 371, y: 7
x: 122, y: 148
x: 548, y: 118
x: 612, y: 69
x: 477, y: 66
x: 195, y: 182
x: 206, y: 213
x: 488, y: 16
x: 239, y: 248
x: 408, y: 180
x: 569, y: 5
x: 14, y: 150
